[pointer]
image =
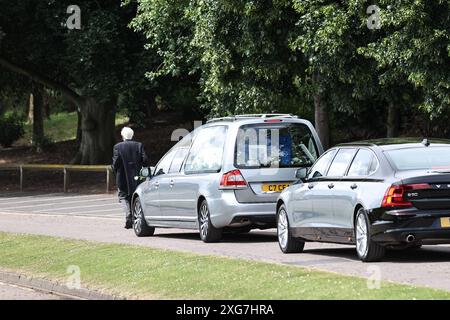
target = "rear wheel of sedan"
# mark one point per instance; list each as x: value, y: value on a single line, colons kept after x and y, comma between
x: 208, y: 233
x: 141, y: 229
x: 367, y: 249
x: 287, y: 243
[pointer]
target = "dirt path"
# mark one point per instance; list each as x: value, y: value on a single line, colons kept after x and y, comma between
x: 12, y: 292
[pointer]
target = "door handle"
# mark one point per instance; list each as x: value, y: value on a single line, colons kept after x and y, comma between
x: 156, y: 184
x: 310, y: 186
x: 331, y: 186
x: 171, y: 183
x: 354, y: 186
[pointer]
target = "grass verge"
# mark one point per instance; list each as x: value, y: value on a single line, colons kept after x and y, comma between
x: 140, y: 272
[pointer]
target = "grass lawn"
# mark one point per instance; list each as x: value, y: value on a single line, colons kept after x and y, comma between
x: 141, y: 272
x: 61, y: 127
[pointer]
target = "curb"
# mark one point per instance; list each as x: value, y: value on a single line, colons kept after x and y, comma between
x: 56, y: 288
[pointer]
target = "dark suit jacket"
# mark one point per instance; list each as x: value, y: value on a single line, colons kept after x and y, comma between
x: 128, y: 159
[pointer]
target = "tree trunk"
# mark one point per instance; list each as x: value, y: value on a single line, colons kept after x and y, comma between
x: 392, y: 120
x: 322, y: 120
x: 97, y: 119
x: 30, y: 108
x: 36, y: 104
x: 47, y: 111
x: 97, y: 132
x: 78, y: 126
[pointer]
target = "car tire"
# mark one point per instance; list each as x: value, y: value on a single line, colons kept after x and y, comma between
x: 287, y: 243
x: 208, y: 233
x: 367, y: 249
x: 140, y: 227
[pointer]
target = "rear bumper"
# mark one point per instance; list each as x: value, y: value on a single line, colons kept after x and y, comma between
x: 227, y: 211
x: 394, y: 226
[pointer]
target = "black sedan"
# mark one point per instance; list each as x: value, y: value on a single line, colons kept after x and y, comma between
x: 375, y: 194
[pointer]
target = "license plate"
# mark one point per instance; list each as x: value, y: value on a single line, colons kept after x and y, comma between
x: 445, y: 222
x: 274, y: 187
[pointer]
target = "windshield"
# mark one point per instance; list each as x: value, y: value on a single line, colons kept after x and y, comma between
x: 431, y: 158
x: 275, y: 145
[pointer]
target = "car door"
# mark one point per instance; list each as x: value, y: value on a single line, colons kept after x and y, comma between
x: 327, y: 198
x: 201, y: 170
x: 306, y: 213
x: 152, y: 195
x: 349, y: 190
x: 338, y: 194
x: 175, y: 201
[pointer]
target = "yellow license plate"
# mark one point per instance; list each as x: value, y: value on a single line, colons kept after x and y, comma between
x: 274, y: 187
x: 445, y: 222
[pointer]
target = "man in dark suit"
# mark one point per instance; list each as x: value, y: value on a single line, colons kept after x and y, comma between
x: 128, y: 158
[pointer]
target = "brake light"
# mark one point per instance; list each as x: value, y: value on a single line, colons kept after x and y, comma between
x: 233, y: 180
x: 273, y: 120
x: 395, y: 195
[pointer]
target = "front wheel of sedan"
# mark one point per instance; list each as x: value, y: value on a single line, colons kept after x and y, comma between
x: 208, y: 233
x: 141, y: 229
x: 287, y: 243
x: 367, y: 249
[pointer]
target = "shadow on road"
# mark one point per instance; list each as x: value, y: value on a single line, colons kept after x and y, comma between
x: 227, y: 237
x: 427, y: 254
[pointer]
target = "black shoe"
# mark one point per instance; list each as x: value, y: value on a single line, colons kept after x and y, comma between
x: 128, y: 224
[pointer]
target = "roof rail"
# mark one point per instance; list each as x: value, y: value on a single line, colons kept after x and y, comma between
x: 253, y: 116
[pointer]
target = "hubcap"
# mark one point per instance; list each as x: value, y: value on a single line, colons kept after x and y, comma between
x: 137, y: 216
x: 361, y: 235
x: 204, y: 220
x: 282, y: 227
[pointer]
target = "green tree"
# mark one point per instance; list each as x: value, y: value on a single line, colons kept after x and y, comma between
x: 344, y: 82
x: 88, y: 67
x: 238, y: 50
x: 415, y: 48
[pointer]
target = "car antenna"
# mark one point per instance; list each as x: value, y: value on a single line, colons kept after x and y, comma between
x: 425, y: 142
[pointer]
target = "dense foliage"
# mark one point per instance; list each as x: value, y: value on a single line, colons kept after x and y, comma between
x: 11, y: 129
x: 300, y: 55
x: 320, y: 59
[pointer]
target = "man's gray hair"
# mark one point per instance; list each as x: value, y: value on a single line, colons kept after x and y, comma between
x: 127, y: 133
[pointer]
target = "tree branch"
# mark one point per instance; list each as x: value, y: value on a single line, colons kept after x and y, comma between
x: 34, y: 76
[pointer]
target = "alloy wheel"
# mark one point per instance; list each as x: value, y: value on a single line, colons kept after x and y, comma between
x: 282, y: 227
x: 204, y: 220
x: 361, y: 235
x: 137, y: 216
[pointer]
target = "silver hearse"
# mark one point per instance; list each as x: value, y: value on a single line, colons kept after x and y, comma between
x: 225, y: 175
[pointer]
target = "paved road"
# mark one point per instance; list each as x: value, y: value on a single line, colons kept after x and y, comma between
x: 99, y: 218
x: 12, y: 292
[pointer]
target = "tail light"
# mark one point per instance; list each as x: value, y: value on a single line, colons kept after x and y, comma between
x: 395, y: 195
x: 273, y: 120
x: 233, y: 180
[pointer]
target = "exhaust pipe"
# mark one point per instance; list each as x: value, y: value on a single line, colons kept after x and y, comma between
x: 410, y: 238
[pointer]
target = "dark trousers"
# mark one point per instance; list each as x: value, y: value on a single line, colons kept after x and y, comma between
x: 125, y: 200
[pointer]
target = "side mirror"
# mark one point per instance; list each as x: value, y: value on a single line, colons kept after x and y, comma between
x: 301, y: 173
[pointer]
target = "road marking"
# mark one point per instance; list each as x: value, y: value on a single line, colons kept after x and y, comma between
x: 119, y: 211
x: 76, y: 207
x: 108, y: 211
x: 62, y: 203
x: 7, y: 200
x: 58, y: 215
